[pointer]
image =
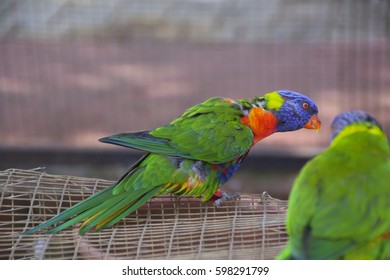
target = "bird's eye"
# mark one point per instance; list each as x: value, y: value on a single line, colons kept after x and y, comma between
x: 305, y: 105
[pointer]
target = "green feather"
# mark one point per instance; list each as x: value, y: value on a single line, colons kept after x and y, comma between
x: 189, y: 136
x: 141, y: 201
x: 285, y: 254
x: 145, y: 142
x: 339, y: 206
x: 90, y: 202
x: 126, y: 199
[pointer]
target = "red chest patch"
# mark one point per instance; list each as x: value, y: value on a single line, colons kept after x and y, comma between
x: 262, y: 123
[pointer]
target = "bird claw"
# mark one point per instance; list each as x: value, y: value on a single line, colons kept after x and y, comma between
x: 225, y: 197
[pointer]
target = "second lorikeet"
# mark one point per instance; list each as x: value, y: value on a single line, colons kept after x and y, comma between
x: 192, y: 156
x: 339, y: 206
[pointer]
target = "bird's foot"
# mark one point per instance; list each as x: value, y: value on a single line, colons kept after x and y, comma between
x: 225, y: 197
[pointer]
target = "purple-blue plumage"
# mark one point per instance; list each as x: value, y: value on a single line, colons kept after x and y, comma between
x: 354, y: 116
x: 226, y: 171
x: 295, y: 112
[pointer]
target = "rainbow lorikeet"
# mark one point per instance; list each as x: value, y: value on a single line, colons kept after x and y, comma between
x: 192, y: 156
x: 339, y: 206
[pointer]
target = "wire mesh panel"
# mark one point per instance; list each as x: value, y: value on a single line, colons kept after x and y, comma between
x: 167, y: 227
x: 135, y: 65
x: 72, y: 72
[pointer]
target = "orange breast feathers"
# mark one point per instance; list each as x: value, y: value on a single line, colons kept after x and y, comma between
x: 261, y: 122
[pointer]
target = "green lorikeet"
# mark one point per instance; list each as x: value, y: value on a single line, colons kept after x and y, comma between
x: 192, y: 156
x: 339, y: 206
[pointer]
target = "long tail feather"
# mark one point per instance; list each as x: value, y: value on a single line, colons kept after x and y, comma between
x: 88, y: 214
x: 133, y: 207
x: 81, y: 207
x: 94, y: 206
x: 113, y: 215
x: 125, y: 200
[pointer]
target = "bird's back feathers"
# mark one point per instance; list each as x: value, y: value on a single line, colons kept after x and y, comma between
x: 211, y: 131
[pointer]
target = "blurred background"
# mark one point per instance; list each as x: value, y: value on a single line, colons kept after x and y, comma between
x: 72, y: 72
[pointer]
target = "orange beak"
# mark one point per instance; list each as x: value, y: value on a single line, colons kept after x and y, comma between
x: 314, y: 123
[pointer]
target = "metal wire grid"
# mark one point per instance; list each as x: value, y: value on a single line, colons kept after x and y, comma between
x: 167, y: 227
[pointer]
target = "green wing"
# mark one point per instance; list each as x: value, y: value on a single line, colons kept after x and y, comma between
x: 340, y: 202
x: 144, y: 180
x: 211, y: 131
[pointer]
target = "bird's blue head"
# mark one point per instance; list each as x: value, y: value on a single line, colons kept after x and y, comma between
x: 293, y: 110
x: 352, y: 117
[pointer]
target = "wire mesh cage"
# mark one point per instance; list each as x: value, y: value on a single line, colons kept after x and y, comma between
x: 167, y: 227
x: 72, y: 72
x: 67, y: 63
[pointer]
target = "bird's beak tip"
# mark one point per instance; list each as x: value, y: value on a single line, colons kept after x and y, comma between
x: 314, y: 123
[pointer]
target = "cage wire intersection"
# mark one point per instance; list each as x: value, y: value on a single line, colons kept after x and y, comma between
x: 167, y: 227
